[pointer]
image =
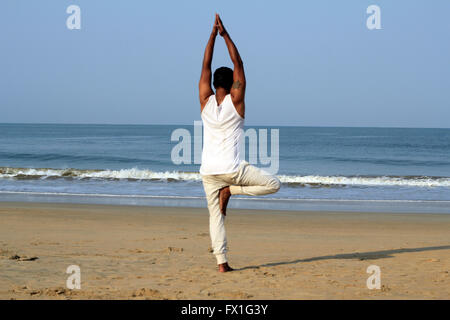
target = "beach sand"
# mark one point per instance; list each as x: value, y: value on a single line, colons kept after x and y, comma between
x: 127, y: 252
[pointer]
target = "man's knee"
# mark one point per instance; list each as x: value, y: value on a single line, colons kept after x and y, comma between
x: 274, y: 184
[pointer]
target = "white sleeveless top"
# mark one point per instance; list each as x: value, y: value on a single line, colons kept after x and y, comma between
x: 223, y: 129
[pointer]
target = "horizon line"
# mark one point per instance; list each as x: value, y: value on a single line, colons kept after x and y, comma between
x: 184, y: 124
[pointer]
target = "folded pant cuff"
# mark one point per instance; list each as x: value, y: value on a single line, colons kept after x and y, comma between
x: 221, y: 258
x: 235, y: 189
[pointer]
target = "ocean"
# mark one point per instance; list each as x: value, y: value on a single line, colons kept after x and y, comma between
x: 324, y: 168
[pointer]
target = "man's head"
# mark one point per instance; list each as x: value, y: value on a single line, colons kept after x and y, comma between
x: 223, y: 78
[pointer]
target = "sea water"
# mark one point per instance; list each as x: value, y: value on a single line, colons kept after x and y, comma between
x: 364, y: 169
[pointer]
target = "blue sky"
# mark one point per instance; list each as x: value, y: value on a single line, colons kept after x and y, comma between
x: 308, y: 63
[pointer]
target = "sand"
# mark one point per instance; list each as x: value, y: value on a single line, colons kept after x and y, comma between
x: 127, y: 252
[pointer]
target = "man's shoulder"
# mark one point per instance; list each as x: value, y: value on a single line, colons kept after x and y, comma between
x: 207, y: 103
x: 210, y: 99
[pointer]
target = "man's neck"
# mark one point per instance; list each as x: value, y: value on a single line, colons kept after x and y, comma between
x: 220, y: 95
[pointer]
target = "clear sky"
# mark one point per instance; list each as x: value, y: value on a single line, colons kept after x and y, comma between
x: 308, y: 63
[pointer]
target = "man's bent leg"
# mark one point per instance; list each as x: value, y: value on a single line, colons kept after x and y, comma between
x: 252, y: 181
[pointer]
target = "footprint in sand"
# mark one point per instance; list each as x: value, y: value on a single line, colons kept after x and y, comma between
x: 147, y: 293
x: 52, y: 292
x: 137, y: 251
x: 23, y: 258
x: 203, y: 234
x: 173, y: 249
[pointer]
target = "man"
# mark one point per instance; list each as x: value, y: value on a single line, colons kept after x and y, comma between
x: 223, y: 172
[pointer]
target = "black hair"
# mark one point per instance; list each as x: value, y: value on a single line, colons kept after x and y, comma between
x: 223, y: 78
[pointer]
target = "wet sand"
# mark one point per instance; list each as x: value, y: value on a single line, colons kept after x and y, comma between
x: 127, y: 252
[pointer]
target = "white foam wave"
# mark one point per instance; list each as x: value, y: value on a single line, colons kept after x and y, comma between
x: 143, y: 174
x: 368, y: 181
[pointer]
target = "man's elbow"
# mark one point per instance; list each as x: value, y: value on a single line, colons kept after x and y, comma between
x: 204, y: 80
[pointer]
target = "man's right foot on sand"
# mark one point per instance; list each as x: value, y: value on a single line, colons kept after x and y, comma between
x: 224, y: 196
x: 224, y: 267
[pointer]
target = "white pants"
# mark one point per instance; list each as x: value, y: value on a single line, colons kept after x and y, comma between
x: 248, y: 180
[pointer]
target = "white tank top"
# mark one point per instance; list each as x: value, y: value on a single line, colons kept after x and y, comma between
x: 223, y: 129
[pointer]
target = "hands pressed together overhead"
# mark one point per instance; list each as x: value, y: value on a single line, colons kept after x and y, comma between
x: 218, y: 26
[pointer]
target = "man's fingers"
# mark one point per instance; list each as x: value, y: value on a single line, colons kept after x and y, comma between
x: 219, y: 24
x: 217, y: 18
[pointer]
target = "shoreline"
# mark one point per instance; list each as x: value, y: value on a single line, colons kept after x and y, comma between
x: 252, y: 203
x: 141, y: 252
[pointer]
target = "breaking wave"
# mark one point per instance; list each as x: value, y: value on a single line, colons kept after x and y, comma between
x: 174, y: 176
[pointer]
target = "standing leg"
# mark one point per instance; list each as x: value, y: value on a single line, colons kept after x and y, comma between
x: 212, y: 186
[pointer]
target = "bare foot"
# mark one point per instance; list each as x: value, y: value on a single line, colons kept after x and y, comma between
x: 224, y: 267
x: 224, y: 196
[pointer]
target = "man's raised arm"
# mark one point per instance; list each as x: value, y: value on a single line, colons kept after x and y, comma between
x: 204, y: 86
x: 238, y: 88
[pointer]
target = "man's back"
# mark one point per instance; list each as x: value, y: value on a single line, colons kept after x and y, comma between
x: 222, y: 133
